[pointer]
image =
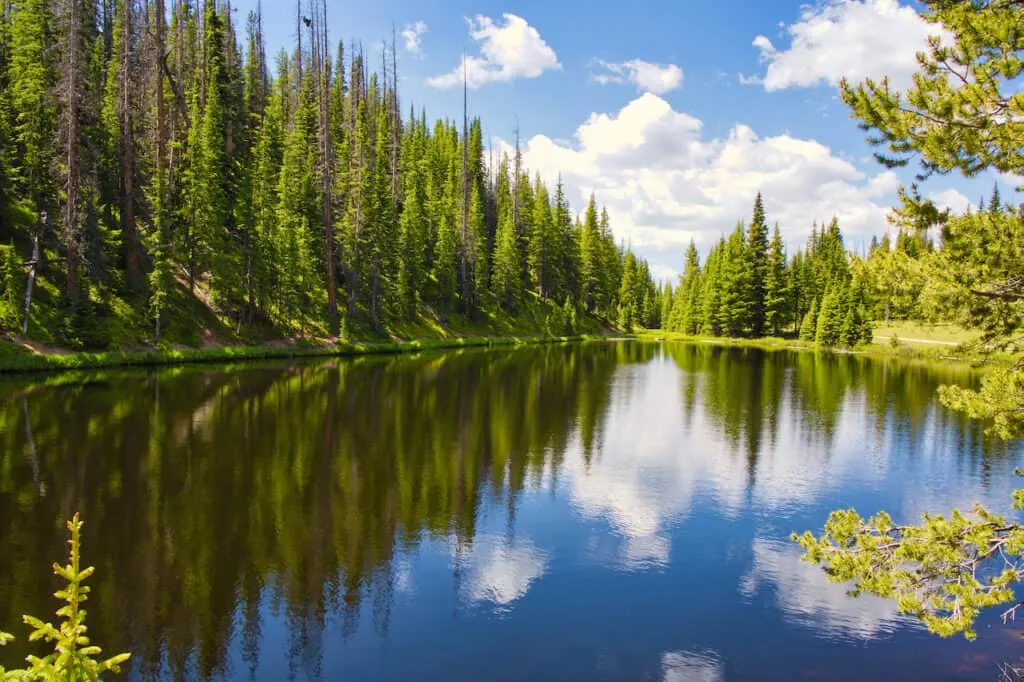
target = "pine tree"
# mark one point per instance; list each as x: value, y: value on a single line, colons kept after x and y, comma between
x: 830, y: 318
x: 446, y: 262
x: 479, y: 241
x: 856, y: 327
x: 566, y: 258
x: 539, y: 248
x: 506, y: 276
x: 809, y: 326
x: 776, y: 286
x: 628, y: 304
x: 383, y: 247
x: 412, y: 239
x: 948, y: 126
x: 32, y: 76
x: 667, y: 299
x: 735, y: 281
x: 686, y: 313
x: 712, y: 320
x: 591, y: 259
x: 611, y: 259
x: 757, y: 262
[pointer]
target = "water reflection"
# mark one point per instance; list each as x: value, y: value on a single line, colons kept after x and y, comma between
x: 500, y: 572
x: 291, y: 519
x: 686, y: 666
x: 809, y: 600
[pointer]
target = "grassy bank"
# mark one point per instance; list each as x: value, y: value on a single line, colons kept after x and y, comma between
x: 914, y: 333
x: 947, y: 351
x: 12, y: 361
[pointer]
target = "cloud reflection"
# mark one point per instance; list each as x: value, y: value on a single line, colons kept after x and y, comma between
x: 691, y: 666
x: 808, y: 599
x: 499, y: 573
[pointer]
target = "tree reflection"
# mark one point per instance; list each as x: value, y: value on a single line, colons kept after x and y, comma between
x: 217, y: 496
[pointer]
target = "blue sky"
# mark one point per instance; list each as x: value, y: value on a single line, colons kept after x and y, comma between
x: 674, y: 112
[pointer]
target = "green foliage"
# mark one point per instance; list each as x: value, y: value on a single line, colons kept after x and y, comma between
x: 1000, y: 401
x: 628, y: 304
x: 757, y: 262
x: 777, y: 289
x: 809, y: 326
x: 735, y: 280
x: 11, y: 281
x: 74, y: 657
x: 215, y: 203
x: 943, y: 571
x: 959, y: 115
x: 830, y: 319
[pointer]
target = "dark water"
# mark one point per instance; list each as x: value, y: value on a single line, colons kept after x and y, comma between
x: 615, y: 511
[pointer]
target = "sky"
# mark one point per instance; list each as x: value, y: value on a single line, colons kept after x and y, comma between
x: 674, y: 113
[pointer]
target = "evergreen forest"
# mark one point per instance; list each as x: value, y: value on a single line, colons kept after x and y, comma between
x: 162, y: 180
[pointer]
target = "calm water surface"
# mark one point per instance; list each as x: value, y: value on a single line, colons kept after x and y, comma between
x: 615, y: 511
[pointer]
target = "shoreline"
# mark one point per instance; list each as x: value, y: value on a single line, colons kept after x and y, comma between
x: 941, y: 352
x: 37, y: 363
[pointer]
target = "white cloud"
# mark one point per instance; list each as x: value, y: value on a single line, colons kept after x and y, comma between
x: 852, y: 38
x: 952, y: 199
x: 664, y: 182
x: 514, y: 50
x: 1012, y: 179
x: 646, y: 76
x: 412, y: 34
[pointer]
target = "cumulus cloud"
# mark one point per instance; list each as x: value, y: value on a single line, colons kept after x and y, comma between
x: 412, y: 34
x: 665, y: 181
x: 853, y: 38
x: 952, y: 199
x: 646, y: 76
x: 1015, y: 181
x: 507, y: 52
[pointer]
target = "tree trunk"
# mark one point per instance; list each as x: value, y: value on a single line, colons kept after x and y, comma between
x: 33, y: 264
x: 322, y: 78
x: 72, y: 179
x: 129, y: 231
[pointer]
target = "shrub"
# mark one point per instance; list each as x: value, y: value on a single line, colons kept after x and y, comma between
x: 73, y: 656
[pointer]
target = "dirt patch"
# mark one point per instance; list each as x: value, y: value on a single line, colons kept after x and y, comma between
x: 40, y: 347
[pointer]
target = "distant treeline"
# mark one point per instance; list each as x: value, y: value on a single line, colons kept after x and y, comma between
x: 748, y: 287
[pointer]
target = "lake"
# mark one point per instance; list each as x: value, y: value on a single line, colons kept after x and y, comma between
x: 604, y: 511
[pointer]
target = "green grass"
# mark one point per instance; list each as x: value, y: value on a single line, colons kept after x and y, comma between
x: 917, y: 333
x: 880, y: 347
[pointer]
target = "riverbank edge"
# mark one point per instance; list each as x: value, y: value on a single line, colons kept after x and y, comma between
x: 907, y: 352
x: 60, y: 362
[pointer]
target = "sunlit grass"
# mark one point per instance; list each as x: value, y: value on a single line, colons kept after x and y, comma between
x: 919, y: 333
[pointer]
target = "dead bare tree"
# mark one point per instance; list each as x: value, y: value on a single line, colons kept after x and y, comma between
x: 464, y: 248
x: 322, y: 79
x: 131, y: 247
x: 72, y: 95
